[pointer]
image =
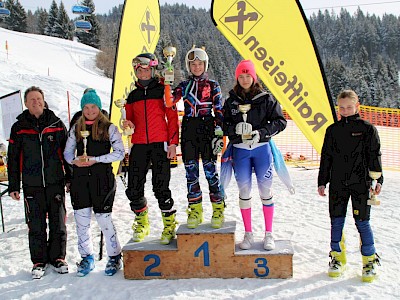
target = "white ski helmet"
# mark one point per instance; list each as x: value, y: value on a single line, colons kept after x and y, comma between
x: 196, y: 53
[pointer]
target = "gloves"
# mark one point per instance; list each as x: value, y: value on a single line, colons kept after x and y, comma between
x: 218, y: 131
x: 254, y: 140
x: 243, y: 128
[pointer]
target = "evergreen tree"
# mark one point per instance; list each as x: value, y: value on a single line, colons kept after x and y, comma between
x: 41, y: 20
x: 52, y: 19
x: 92, y: 37
x: 17, y: 19
x: 63, y: 28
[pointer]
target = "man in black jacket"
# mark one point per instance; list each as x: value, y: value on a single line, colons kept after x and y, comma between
x: 35, y: 150
x: 351, y: 150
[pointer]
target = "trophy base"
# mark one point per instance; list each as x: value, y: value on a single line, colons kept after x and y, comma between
x: 83, y: 159
x: 128, y: 131
x: 373, y: 202
x: 246, y: 137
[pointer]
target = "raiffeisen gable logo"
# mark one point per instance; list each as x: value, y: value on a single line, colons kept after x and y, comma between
x: 240, y: 18
x: 148, y: 28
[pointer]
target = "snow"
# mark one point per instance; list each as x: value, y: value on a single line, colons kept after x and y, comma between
x: 301, y: 218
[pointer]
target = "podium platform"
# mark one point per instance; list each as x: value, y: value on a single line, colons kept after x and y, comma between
x: 206, y: 252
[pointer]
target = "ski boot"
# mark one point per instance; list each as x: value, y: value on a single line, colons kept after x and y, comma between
x: 369, y: 267
x: 85, y: 266
x: 195, y: 215
x: 217, y: 219
x: 141, y: 226
x: 113, y: 265
x: 337, y: 265
x: 38, y: 270
x: 60, y: 266
x: 169, y: 228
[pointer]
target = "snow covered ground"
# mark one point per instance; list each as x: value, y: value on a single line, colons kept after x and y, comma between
x: 58, y: 66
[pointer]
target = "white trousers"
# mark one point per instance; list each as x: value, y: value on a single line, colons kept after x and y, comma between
x: 85, y: 245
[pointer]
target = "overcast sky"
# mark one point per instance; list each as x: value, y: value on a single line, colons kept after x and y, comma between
x: 379, y: 7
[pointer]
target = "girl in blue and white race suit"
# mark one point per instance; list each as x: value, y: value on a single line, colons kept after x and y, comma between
x: 250, y: 132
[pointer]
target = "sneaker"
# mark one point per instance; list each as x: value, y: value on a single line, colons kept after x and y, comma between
x: 247, y: 242
x: 195, y: 215
x: 337, y: 265
x: 38, y: 270
x: 269, y: 243
x: 141, y: 226
x: 169, y: 228
x: 217, y: 219
x: 369, y: 267
x: 60, y: 266
x: 113, y: 265
x: 85, y: 266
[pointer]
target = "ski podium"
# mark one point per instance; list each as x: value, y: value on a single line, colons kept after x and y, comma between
x: 206, y: 252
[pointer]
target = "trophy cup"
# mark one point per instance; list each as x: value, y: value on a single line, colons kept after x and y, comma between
x: 169, y: 53
x: 120, y: 103
x: 244, y: 108
x: 374, y: 175
x: 3, y: 165
x: 84, y: 134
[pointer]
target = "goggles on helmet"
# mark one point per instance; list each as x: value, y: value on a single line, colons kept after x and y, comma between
x: 197, y: 54
x: 144, y: 62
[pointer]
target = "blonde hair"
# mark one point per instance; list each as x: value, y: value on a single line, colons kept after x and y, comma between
x: 99, y: 128
x: 348, y: 94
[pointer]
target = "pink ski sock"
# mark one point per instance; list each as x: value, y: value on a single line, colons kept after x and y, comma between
x: 268, y: 211
x: 246, y: 216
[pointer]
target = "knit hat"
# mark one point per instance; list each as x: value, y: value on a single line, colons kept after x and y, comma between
x: 246, y: 67
x: 91, y: 97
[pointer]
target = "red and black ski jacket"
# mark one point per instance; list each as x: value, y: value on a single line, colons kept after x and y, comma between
x: 35, y: 150
x: 153, y: 121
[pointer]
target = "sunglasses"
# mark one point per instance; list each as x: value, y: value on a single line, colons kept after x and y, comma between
x: 196, y: 54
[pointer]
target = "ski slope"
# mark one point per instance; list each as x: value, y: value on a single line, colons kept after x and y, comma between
x: 58, y: 66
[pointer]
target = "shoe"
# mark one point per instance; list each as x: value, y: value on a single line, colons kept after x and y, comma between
x: 38, y: 270
x: 141, y: 226
x: 169, y: 228
x: 85, y: 266
x: 369, y: 270
x: 60, y: 266
x: 269, y: 243
x: 195, y: 215
x: 113, y: 265
x: 337, y: 265
x: 247, y: 242
x: 217, y: 219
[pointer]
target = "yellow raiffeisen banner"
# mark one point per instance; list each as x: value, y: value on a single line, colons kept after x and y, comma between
x: 275, y: 36
x: 138, y: 33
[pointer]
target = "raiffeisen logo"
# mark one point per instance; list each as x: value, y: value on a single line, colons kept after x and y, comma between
x: 147, y: 28
x: 240, y: 18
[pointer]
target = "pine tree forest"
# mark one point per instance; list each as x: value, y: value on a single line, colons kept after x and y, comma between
x: 359, y: 51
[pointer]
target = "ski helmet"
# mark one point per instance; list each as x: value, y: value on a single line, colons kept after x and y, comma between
x: 145, y: 60
x: 196, y: 53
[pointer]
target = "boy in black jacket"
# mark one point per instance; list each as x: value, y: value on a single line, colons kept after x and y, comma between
x: 350, y: 151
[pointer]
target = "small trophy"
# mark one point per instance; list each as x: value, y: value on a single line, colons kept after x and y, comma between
x: 120, y: 103
x: 84, y: 134
x: 3, y: 164
x: 244, y: 108
x: 374, y: 175
x: 169, y: 53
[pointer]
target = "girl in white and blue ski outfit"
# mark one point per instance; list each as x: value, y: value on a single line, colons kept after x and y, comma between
x: 93, y: 183
x: 201, y: 129
x: 251, y: 149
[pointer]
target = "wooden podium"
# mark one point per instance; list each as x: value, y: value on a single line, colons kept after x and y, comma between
x: 205, y: 252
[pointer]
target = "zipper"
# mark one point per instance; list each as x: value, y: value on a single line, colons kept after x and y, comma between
x: 41, y: 150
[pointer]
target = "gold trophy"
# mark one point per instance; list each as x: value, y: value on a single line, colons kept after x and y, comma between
x: 120, y: 103
x: 169, y: 53
x: 244, y: 108
x: 374, y: 175
x: 3, y: 165
x: 84, y: 134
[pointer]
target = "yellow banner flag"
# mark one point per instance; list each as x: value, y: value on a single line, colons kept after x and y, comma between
x: 139, y: 33
x: 276, y: 37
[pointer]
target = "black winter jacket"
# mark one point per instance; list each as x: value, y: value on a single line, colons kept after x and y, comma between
x: 351, y: 148
x: 265, y: 116
x: 36, y: 150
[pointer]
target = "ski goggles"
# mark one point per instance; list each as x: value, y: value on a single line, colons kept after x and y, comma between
x: 197, y: 54
x: 143, y: 62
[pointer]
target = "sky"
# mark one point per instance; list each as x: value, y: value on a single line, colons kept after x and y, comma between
x: 59, y: 67
x: 379, y: 7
